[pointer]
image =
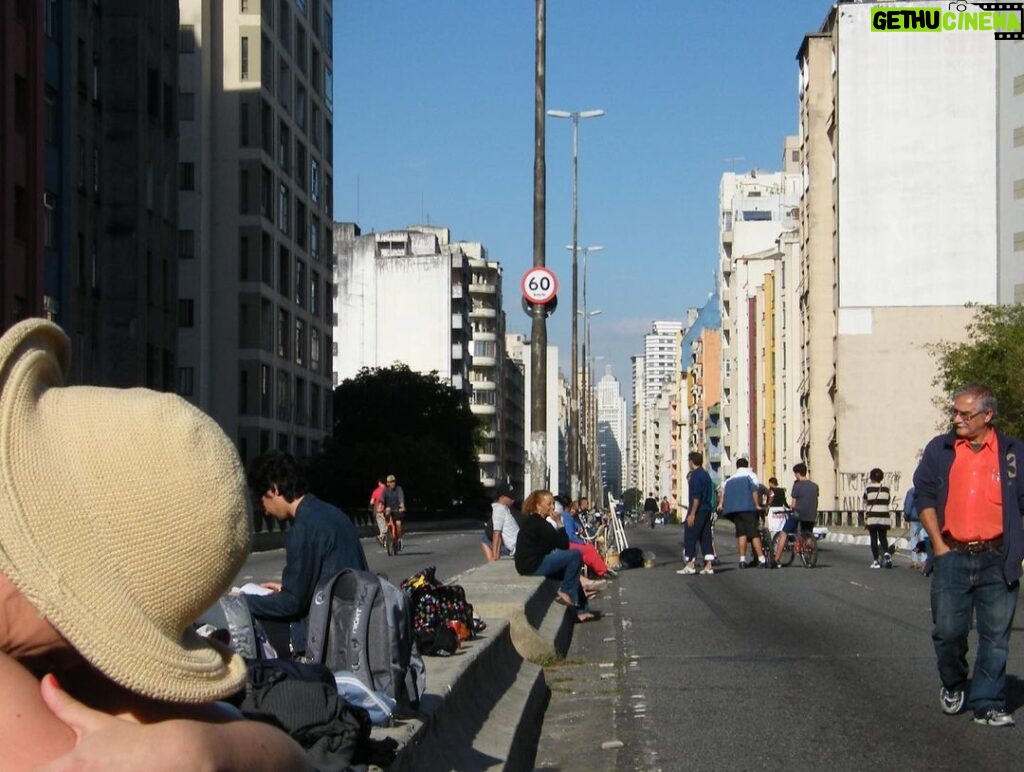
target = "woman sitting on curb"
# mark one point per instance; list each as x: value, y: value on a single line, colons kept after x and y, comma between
x: 123, y: 516
x: 544, y: 551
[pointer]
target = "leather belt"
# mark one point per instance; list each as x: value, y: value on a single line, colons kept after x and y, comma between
x: 973, y: 547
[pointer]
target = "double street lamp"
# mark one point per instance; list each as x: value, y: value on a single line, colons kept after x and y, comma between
x: 575, y: 117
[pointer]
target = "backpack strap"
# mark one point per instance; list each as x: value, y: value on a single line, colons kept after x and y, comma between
x: 319, y: 619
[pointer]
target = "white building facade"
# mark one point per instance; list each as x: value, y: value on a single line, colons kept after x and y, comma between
x: 611, y: 433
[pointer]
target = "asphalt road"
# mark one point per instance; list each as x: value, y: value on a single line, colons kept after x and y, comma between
x: 796, y: 669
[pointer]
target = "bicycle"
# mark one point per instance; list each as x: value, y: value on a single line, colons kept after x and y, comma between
x: 803, y: 544
x: 392, y: 542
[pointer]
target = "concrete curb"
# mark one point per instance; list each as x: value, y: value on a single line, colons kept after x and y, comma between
x: 484, y: 707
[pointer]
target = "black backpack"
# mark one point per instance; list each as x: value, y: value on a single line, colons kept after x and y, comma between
x: 362, y: 623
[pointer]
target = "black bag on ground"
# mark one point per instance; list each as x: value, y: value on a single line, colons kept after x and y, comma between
x: 632, y: 557
x: 362, y: 623
x: 302, y: 700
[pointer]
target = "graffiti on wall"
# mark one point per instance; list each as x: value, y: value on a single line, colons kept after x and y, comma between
x: 851, y: 489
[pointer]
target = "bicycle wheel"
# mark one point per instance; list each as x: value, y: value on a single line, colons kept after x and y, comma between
x: 788, y: 553
x: 768, y: 548
x: 809, y: 552
x: 389, y: 544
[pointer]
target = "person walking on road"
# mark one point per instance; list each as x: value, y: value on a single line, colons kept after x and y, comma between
x: 651, y: 508
x: 804, y: 496
x: 698, y: 518
x: 916, y: 536
x: 877, y: 498
x: 969, y: 489
x: 394, y: 506
x: 741, y: 500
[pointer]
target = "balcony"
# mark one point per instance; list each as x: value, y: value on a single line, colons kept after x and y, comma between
x: 483, y: 361
x: 486, y: 289
x: 482, y: 312
x: 483, y: 409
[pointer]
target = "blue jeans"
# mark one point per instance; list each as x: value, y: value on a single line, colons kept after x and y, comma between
x: 565, y: 565
x: 700, y: 531
x: 962, y: 584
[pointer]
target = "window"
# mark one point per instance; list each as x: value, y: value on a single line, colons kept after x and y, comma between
x: 314, y: 238
x: 300, y: 48
x: 300, y: 283
x: 243, y: 65
x: 267, y: 60
x: 96, y: 174
x: 186, y: 39
x: 284, y: 412
x: 300, y: 165
x: 314, y: 181
x: 314, y: 305
x: 314, y: 349
x: 300, y: 223
x: 49, y: 220
x: 282, y: 333
x: 328, y: 27
x: 284, y: 25
x: 315, y: 121
x: 187, y: 106
x: 50, y: 19
x: 284, y: 146
x: 266, y: 193
x: 300, y: 341
x: 152, y: 93
x: 51, y: 115
x: 265, y: 390
x: 186, y: 381
x: 754, y: 215
x: 328, y: 88
x: 186, y: 175
x: 243, y: 258
x: 267, y: 127
x: 186, y: 244
x: 283, y: 271
x: 314, y: 406
x: 186, y: 310
x: 283, y: 207
x: 300, y: 105
x: 300, y: 404
x: 243, y: 394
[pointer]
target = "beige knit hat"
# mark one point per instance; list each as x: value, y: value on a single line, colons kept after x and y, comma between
x: 123, y: 516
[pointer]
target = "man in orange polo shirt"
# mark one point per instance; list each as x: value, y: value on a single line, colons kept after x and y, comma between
x: 970, y: 498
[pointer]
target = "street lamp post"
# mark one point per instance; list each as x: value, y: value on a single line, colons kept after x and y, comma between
x: 575, y: 117
x: 587, y: 434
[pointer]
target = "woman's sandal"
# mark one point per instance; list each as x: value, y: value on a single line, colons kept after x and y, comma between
x: 588, y: 616
x: 564, y: 599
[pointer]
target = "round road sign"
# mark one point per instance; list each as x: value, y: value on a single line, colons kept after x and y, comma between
x: 539, y: 285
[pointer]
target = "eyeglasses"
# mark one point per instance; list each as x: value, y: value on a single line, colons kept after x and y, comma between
x: 964, y: 415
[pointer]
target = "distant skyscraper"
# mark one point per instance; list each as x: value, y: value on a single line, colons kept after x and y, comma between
x: 611, y: 432
x: 661, y: 358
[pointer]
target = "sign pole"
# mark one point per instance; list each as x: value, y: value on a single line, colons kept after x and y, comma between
x: 539, y: 331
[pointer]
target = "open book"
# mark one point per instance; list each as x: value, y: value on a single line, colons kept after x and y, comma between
x: 249, y: 588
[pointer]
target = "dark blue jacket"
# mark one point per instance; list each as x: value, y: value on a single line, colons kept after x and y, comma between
x: 701, y: 487
x: 931, y: 487
x: 321, y: 542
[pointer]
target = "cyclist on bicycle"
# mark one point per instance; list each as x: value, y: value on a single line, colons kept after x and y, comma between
x: 394, y: 505
x: 804, y: 512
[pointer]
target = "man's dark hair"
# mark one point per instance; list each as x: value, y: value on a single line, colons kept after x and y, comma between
x: 276, y: 467
x: 696, y: 458
x: 772, y: 481
x: 741, y: 463
x: 800, y: 469
x: 876, y: 475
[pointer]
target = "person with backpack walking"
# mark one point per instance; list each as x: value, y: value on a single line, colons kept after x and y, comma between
x: 916, y: 536
x: 877, y: 499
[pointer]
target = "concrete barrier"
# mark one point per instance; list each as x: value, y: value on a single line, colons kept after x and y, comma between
x: 484, y: 707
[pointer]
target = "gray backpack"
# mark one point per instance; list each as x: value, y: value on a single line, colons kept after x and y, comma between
x: 362, y: 623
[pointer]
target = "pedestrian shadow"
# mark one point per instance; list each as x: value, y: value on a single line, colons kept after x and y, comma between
x: 1014, y: 693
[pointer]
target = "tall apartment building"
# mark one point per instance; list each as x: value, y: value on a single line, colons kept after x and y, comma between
x: 21, y: 163
x: 637, y: 431
x: 701, y: 362
x: 894, y: 246
x: 661, y: 358
x: 755, y: 209
x: 557, y: 418
x: 255, y: 242
x: 611, y: 433
x: 416, y: 297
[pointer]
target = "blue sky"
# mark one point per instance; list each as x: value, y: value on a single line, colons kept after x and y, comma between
x: 433, y: 122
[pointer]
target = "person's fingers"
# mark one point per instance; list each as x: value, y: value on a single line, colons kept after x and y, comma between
x: 80, y: 718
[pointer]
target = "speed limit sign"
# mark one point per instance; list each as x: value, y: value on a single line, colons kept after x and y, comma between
x: 539, y: 285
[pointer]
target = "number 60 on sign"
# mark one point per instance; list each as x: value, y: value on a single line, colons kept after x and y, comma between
x: 539, y: 285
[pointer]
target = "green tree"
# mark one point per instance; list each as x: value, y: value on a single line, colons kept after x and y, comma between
x: 631, y: 498
x: 992, y: 354
x: 396, y: 421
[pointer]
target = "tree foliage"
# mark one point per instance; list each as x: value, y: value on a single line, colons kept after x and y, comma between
x: 397, y: 421
x: 992, y: 354
x: 631, y: 498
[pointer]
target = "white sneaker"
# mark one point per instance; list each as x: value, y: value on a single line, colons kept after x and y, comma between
x: 707, y: 571
x: 876, y: 565
x: 688, y: 569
